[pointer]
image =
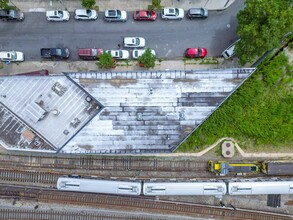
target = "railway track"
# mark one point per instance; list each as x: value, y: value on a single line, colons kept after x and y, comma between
x: 48, y: 179
x: 89, y: 162
x: 120, y: 167
x: 133, y: 204
x: 20, y: 214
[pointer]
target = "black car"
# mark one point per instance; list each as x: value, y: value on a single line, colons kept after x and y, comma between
x: 197, y: 13
x: 115, y: 15
x: 55, y: 53
x: 12, y: 15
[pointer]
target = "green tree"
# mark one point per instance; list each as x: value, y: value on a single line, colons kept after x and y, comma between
x: 156, y: 4
x: 147, y: 59
x: 106, y: 61
x: 4, y: 4
x: 261, y: 26
x: 88, y: 4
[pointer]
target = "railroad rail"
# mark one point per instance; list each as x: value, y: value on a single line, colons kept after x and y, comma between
x: 142, y: 167
x: 133, y: 204
x: 48, y: 179
x: 91, y: 162
x: 20, y: 214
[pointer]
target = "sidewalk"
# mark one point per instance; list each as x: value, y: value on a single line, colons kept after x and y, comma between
x: 128, y: 5
x: 57, y: 67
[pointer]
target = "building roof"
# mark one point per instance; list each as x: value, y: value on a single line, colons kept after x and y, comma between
x: 42, y: 112
x: 150, y: 111
x: 128, y: 112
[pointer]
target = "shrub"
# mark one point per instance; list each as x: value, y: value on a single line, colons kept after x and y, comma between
x: 88, y: 4
x: 147, y: 60
x: 106, y: 61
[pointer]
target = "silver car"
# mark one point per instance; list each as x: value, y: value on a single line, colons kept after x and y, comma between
x: 119, y: 54
x: 172, y: 13
x: 11, y: 56
x: 85, y: 14
x: 134, y: 42
x: 57, y: 15
x: 138, y: 52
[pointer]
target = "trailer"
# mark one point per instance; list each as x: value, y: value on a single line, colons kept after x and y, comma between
x: 223, y: 168
x: 277, y: 167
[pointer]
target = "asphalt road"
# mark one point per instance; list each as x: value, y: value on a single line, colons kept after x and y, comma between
x: 168, y: 38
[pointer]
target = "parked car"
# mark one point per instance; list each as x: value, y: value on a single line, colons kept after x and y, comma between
x: 55, y: 53
x: 57, y: 15
x: 145, y: 15
x: 89, y: 53
x: 195, y: 52
x: 85, y: 14
x: 136, y: 53
x: 11, y: 56
x: 230, y: 51
x: 119, y: 54
x: 134, y: 42
x: 197, y: 13
x: 172, y: 13
x: 11, y: 15
x: 115, y: 15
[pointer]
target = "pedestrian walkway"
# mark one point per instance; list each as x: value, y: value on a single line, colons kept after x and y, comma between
x: 128, y: 5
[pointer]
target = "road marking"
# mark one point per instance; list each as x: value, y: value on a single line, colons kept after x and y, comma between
x: 169, y: 51
x: 37, y: 10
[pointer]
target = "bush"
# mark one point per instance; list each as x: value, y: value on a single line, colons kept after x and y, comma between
x: 106, y: 61
x: 147, y: 60
x: 88, y: 4
x: 156, y: 5
x: 258, y: 114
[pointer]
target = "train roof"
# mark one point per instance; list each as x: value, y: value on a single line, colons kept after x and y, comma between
x: 184, y: 188
x: 260, y: 187
x: 99, y: 186
x: 279, y: 168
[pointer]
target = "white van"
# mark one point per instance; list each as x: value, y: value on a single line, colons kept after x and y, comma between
x: 230, y: 52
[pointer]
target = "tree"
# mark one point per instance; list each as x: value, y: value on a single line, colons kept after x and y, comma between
x: 261, y: 26
x: 156, y: 4
x: 4, y: 4
x: 88, y: 4
x: 147, y: 59
x: 106, y: 61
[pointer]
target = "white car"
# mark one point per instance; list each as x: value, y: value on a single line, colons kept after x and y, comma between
x: 172, y: 13
x: 137, y: 53
x: 119, y: 54
x: 57, y: 15
x: 85, y: 14
x: 134, y: 42
x: 11, y: 56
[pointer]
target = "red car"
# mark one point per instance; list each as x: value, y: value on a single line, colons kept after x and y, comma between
x: 195, y: 52
x: 145, y: 15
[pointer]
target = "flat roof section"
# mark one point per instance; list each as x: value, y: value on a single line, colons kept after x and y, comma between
x: 53, y: 108
x: 151, y: 111
x: 16, y: 135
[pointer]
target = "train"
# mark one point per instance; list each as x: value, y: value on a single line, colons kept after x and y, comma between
x: 219, y: 188
x: 279, y: 168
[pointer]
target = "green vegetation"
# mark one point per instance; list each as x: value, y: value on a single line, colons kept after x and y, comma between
x: 88, y: 4
x: 147, y: 59
x: 209, y: 61
x: 106, y: 61
x: 156, y: 5
x: 259, y: 114
x: 4, y: 4
x: 261, y: 26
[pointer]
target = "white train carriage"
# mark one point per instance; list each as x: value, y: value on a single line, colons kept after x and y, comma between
x: 260, y: 187
x: 99, y: 186
x: 184, y: 188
